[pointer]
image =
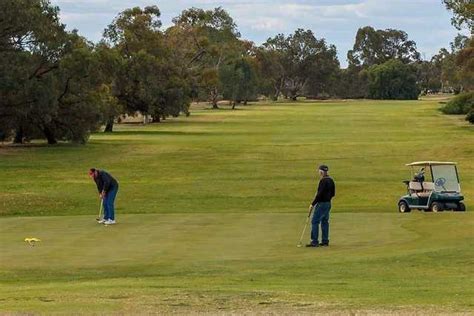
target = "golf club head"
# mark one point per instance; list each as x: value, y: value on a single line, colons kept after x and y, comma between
x: 298, y: 245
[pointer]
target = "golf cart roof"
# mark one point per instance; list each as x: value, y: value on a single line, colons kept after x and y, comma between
x: 430, y: 163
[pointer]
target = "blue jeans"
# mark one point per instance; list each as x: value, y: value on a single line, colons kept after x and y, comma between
x: 109, y: 212
x: 320, y: 217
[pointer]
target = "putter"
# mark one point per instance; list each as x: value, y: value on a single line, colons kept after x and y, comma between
x: 100, y: 210
x: 304, y: 229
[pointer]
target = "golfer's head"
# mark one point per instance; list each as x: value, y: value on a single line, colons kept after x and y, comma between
x: 92, y: 173
x: 323, y: 170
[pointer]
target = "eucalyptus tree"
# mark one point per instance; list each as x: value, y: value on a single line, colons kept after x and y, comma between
x: 299, y: 60
x: 148, y: 80
x: 374, y: 47
x: 206, y: 40
x: 46, y: 79
x: 463, y: 11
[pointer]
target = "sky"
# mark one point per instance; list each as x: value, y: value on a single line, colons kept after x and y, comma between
x: 427, y: 22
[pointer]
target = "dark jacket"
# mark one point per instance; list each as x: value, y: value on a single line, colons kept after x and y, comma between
x: 326, y: 190
x: 105, y: 182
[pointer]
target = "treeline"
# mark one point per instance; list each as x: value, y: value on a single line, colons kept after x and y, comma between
x: 59, y: 86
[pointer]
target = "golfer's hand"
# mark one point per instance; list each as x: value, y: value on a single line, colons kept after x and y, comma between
x: 102, y: 195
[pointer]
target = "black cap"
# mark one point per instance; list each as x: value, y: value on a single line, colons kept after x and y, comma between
x: 324, y: 168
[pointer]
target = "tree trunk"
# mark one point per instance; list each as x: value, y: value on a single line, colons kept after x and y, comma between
x: 214, y: 95
x: 18, y: 136
x: 49, y: 134
x: 294, y: 94
x: 109, y: 127
x: 277, y: 93
x: 233, y: 105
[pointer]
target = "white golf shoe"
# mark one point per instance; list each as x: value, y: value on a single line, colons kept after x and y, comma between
x: 109, y: 222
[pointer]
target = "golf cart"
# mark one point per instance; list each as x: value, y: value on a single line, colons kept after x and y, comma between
x: 435, y: 187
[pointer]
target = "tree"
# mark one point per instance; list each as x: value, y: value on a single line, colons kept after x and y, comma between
x: 447, y: 64
x: 301, y: 59
x: 46, y: 75
x: 463, y: 11
x: 29, y: 52
x: 271, y: 72
x: 206, y: 40
x: 238, y: 80
x: 374, y: 47
x: 350, y: 83
x: 393, y: 80
x: 429, y: 76
x: 148, y: 79
x: 465, y: 63
x: 110, y: 63
x: 78, y: 94
x: 464, y: 60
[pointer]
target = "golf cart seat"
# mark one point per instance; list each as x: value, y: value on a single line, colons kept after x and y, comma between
x: 419, y: 190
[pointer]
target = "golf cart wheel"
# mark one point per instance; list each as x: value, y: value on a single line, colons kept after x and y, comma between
x: 436, y: 207
x: 403, y: 207
x: 461, y: 207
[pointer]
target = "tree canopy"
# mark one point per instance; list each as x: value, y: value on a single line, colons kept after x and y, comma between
x: 463, y: 11
x: 301, y: 61
x: 374, y: 47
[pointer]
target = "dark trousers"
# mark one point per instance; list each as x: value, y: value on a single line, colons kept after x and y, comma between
x: 109, y: 211
x: 320, y: 217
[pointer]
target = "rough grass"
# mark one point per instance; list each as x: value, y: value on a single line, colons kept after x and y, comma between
x: 211, y: 207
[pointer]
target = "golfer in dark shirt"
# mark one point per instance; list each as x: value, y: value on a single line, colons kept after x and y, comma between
x: 108, y: 188
x: 321, y: 206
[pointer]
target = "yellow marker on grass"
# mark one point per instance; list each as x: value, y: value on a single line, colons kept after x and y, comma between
x: 32, y: 240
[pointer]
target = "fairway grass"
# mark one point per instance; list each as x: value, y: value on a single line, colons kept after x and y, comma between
x: 210, y: 209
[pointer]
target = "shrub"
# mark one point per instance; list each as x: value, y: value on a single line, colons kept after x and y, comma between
x: 393, y: 80
x: 461, y: 104
x: 3, y: 136
x: 470, y: 116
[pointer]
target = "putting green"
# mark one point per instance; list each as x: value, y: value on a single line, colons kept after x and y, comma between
x: 237, y: 262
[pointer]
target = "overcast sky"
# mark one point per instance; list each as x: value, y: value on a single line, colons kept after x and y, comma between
x: 427, y: 22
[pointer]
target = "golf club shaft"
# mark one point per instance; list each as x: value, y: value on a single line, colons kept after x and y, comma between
x: 305, y: 225
x: 101, y: 204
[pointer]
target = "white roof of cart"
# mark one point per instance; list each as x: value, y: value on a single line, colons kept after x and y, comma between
x: 430, y: 163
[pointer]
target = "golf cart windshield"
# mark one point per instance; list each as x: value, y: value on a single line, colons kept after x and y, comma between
x: 445, y: 178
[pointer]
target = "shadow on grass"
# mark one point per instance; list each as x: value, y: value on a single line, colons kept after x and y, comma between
x: 154, y: 132
x: 39, y: 144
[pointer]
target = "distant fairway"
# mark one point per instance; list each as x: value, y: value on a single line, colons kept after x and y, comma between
x: 211, y: 206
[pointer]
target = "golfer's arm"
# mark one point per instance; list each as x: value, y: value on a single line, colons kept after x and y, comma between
x: 317, y: 195
x: 98, y: 186
x: 106, y: 183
